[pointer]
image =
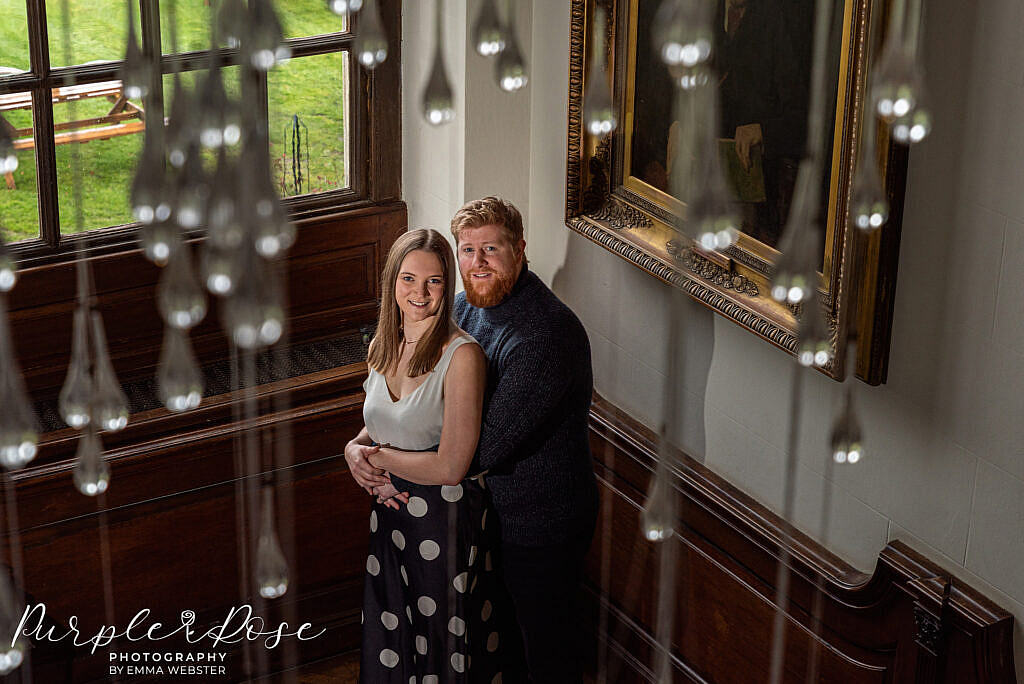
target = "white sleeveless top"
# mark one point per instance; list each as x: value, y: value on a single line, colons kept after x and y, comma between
x: 412, y: 423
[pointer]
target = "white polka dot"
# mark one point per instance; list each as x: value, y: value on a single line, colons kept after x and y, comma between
x: 485, y: 614
x: 417, y: 507
x: 399, y: 539
x: 421, y: 645
x: 457, y: 626
x: 426, y: 605
x: 472, y: 555
x: 372, y: 565
x: 483, y: 520
x: 390, y: 620
x: 405, y: 575
x: 388, y: 658
x: 408, y: 613
x: 492, y: 642
x: 450, y: 493
x: 412, y: 680
x: 429, y: 679
x: 487, y: 562
x: 373, y: 521
x: 429, y: 549
x: 458, y: 662
x: 497, y: 679
x: 460, y: 582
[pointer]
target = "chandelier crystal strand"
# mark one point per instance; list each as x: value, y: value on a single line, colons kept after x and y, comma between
x: 223, y: 221
x: 344, y: 7
x: 488, y: 33
x: 264, y: 43
x: 77, y: 390
x: 232, y: 19
x: 814, y: 341
x: 109, y: 403
x: 8, y: 266
x: 438, y: 103
x: 180, y: 299
x: 190, y: 192
x: 713, y: 214
x: 254, y: 314
x: 182, y: 126
x: 272, y: 231
x: 869, y: 206
x: 599, y: 116
x: 511, y: 67
x: 915, y: 125
x: 271, y: 566
x: 91, y: 474
x: 135, y: 73
x: 19, y: 434
x: 147, y: 196
x: 179, y: 379
x: 371, y: 45
x: 683, y: 35
x: 846, y: 441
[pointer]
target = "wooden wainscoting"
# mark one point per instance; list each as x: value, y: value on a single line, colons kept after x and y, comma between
x: 907, y: 622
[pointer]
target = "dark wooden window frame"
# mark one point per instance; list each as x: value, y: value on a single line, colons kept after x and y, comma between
x: 375, y: 126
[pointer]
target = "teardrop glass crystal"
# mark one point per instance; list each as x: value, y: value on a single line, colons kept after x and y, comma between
x: 12, y: 608
x: 8, y: 155
x: 182, y: 302
x: 223, y: 215
x: 488, y: 34
x: 846, y: 440
x: 438, y: 102
x: 159, y: 241
x: 254, y: 314
x: 344, y: 7
x: 182, y: 126
x: 796, y: 271
x: 264, y: 43
x: 271, y: 566
x: 135, y: 72
x: 149, y: 195
x: 683, y: 34
x: 232, y: 18
x: 898, y: 81
x: 76, y: 393
x: 220, y: 269
x: 511, y: 67
x: 179, y: 379
x: 109, y: 403
x: 18, y: 432
x: 869, y: 208
x: 219, y: 121
x: 272, y: 232
x: 371, y: 45
x: 8, y: 266
x: 91, y: 473
x: 659, y: 514
x: 713, y: 216
x: 814, y: 339
x: 599, y: 116
x: 191, y: 190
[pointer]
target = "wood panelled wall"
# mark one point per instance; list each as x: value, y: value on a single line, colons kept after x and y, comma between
x: 908, y: 622
x: 168, y: 524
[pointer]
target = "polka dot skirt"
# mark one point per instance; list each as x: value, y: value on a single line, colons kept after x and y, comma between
x: 432, y: 601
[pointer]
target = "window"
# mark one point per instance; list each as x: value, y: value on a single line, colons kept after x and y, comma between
x: 332, y: 128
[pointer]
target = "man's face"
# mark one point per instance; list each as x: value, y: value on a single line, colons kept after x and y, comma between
x: 489, y: 264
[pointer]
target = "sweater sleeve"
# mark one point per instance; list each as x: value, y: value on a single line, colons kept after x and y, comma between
x: 537, y: 373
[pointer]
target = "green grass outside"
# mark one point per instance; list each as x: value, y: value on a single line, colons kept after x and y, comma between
x: 311, y: 87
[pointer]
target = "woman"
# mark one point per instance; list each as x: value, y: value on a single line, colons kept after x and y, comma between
x: 428, y: 604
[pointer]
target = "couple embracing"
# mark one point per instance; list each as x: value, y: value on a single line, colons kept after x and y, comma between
x: 475, y: 447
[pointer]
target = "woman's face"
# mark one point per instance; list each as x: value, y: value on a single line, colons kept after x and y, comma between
x: 420, y: 286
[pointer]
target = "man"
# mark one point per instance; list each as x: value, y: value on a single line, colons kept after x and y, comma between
x: 534, y: 440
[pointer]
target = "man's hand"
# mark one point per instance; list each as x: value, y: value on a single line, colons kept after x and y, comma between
x: 747, y: 136
x: 390, y: 496
x: 363, y: 472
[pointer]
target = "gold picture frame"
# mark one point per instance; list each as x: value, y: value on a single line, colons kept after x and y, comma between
x: 625, y: 211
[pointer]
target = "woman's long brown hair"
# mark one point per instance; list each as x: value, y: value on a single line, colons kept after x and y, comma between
x: 385, y: 348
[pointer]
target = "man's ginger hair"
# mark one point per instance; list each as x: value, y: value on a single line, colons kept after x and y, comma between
x: 487, y: 212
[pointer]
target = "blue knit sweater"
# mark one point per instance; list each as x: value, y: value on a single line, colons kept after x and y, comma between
x: 534, y: 440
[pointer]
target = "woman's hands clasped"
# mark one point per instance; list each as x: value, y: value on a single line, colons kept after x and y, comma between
x: 373, y: 480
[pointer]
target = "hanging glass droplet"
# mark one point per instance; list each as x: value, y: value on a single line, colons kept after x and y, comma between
x: 272, y: 232
x: 713, y: 215
x: 796, y: 271
x: 254, y: 313
x: 659, y: 514
x: 814, y: 344
x: 179, y: 379
x: 181, y: 129
x: 18, y: 432
x: 91, y: 473
x: 271, y: 567
x: 488, y: 33
x: 8, y: 266
x: 149, y: 195
x: 371, y: 45
x: 898, y: 82
x: 232, y: 18
x: 683, y: 35
x: 846, y: 435
x: 12, y: 609
x: 599, y: 116
x: 109, y: 403
x: 220, y: 269
x: 223, y: 220
x: 8, y: 155
x: 181, y: 300
x: 219, y: 121
x: 159, y: 241
x: 511, y: 67
x: 869, y: 208
x: 191, y: 191
x: 344, y: 7
x: 438, y: 102
x: 265, y: 41
x: 76, y: 393
x: 135, y: 72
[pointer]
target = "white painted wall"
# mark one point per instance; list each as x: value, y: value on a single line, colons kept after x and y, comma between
x: 945, y: 436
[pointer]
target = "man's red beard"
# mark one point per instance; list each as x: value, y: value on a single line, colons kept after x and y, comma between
x: 489, y: 292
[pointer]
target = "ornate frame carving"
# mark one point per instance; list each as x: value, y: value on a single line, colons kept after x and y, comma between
x: 859, y: 273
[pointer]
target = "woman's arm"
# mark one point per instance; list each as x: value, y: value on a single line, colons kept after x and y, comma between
x: 363, y: 472
x: 460, y: 431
